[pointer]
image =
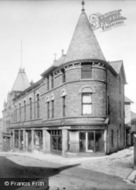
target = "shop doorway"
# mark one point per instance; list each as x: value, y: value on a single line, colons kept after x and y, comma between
x: 29, y: 140
x: 91, y: 141
x: 56, y: 141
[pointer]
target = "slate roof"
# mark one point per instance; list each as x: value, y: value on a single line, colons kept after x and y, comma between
x: 84, y: 44
x: 60, y: 61
x: 128, y: 100
x: 21, y: 82
x: 116, y: 65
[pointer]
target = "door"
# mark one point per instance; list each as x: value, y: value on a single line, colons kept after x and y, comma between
x: 82, y: 141
x: 90, y: 141
x: 56, y: 141
x: 99, y: 141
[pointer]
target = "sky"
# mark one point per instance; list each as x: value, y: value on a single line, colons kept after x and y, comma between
x: 46, y: 27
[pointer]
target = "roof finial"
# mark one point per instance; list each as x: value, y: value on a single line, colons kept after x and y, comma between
x: 83, y: 3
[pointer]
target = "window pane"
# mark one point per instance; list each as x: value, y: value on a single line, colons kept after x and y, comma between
x: 87, y: 109
x: 87, y: 98
x: 86, y: 71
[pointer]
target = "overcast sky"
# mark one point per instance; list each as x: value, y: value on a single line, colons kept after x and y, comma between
x: 46, y: 27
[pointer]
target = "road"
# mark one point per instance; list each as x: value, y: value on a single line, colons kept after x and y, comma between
x: 69, y: 177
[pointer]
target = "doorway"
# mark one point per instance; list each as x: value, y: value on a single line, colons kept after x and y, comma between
x: 56, y: 141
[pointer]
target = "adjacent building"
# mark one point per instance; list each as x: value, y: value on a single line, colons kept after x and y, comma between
x: 76, y: 107
x: 128, y: 121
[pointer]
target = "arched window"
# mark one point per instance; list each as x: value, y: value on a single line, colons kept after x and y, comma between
x: 38, y: 106
x: 48, y: 108
x: 63, y: 75
x: 24, y: 110
x: 15, y: 114
x: 30, y: 103
x: 19, y: 111
x: 87, y: 101
x: 52, y: 80
x: 63, y: 95
x: 52, y: 106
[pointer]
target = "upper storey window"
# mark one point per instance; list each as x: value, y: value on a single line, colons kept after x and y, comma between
x: 86, y: 103
x: 48, y: 84
x: 52, y: 81
x: 86, y: 71
x: 119, y: 84
x: 24, y: 110
x: 30, y: 103
x: 38, y: 106
x: 63, y: 75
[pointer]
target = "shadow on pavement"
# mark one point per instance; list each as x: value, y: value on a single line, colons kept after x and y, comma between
x: 9, y: 169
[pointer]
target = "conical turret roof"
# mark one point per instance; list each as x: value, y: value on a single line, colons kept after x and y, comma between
x: 21, y: 82
x: 84, y: 44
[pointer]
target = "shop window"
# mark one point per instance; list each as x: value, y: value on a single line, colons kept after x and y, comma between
x: 16, y: 139
x: 86, y: 71
x: 38, y: 139
x: 86, y: 103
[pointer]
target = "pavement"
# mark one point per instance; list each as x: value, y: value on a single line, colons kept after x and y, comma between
x: 119, y: 164
x: 68, y: 177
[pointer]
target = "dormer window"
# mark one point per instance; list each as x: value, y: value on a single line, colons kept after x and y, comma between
x: 86, y: 71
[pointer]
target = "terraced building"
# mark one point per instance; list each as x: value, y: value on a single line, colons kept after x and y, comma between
x: 76, y: 107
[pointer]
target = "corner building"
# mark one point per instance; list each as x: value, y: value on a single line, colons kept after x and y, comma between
x: 77, y: 106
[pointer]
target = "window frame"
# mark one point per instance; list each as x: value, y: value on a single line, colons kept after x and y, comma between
x: 24, y: 110
x: 30, y: 104
x: 52, y: 80
x: 84, y: 71
x: 52, y: 108
x: 38, y: 106
x: 48, y: 110
x: 86, y: 93
x: 64, y: 106
x: 63, y: 75
x: 48, y: 83
x: 19, y: 111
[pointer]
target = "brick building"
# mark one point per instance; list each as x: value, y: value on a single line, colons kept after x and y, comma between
x: 77, y: 106
x: 128, y: 120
